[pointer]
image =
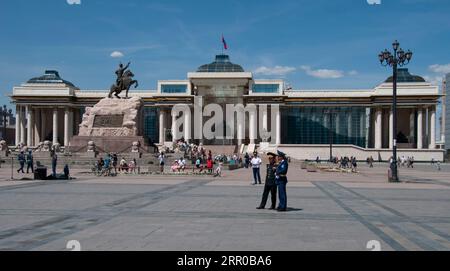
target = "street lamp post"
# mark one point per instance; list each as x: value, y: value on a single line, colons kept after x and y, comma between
x: 4, y: 114
x: 398, y: 58
x: 330, y: 113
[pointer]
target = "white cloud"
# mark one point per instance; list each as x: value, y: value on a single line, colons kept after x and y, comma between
x: 277, y: 70
x: 352, y: 73
x: 434, y: 80
x: 74, y: 2
x: 117, y: 54
x: 440, y: 68
x: 374, y: 2
x: 323, y: 73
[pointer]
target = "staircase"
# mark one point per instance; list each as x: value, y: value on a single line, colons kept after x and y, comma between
x: 221, y: 149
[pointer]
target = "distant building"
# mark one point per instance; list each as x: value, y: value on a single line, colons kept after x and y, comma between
x: 446, y: 112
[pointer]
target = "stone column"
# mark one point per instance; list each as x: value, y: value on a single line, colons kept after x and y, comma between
x: 22, y: 125
x: 278, y: 127
x: 419, y: 128
x: 264, y: 120
x: 240, y: 131
x: 391, y: 129
x: 29, y: 125
x: 432, y: 128
x: 43, y: 124
x: 37, y: 128
x: 162, y: 117
x: 378, y: 128
x: 71, y: 124
x: 198, y: 118
x: 252, y: 127
x: 18, y: 122
x: 66, y: 126
x: 55, y: 125
x: 187, y: 125
x: 174, y: 130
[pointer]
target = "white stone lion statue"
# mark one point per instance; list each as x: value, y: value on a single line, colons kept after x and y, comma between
x: 135, y: 146
x: 91, y: 146
x: 46, y: 146
x: 3, y: 145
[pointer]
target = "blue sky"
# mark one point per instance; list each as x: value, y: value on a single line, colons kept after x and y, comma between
x: 312, y: 44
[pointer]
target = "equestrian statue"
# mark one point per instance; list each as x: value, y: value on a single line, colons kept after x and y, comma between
x: 124, y: 81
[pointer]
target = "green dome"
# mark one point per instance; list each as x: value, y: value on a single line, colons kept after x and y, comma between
x: 50, y: 77
x: 403, y: 76
x: 221, y: 64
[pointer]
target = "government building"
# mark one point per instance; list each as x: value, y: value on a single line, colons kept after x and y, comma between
x: 357, y: 122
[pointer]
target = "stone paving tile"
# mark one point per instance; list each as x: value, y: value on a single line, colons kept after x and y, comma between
x: 396, y: 186
x: 11, y: 221
x: 328, y: 212
x: 54, y: 202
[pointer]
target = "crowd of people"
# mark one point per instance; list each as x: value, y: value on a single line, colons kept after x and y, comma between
x: 407, y: 161
x: 110, y: 165
x: 202, y: 160
x: 28, y: 160
x: 344, y: 162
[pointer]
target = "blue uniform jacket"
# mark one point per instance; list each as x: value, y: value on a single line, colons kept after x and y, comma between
x: 281, y: 172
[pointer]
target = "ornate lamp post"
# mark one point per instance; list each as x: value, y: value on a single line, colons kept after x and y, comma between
x: 398, y: 58
x: 5, y: 113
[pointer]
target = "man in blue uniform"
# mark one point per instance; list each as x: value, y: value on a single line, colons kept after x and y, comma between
x: 281, y: 181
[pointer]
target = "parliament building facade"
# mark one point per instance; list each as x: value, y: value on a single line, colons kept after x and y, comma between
x: 359, y: 122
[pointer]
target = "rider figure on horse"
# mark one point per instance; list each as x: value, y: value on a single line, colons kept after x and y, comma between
x: 124, y: 81
x: 120, y: 71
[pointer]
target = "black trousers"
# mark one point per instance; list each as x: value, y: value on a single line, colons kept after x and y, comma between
x: 30, y: 166
x: 272, y: 189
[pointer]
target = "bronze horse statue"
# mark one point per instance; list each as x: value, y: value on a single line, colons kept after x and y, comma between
x: 125, y: 84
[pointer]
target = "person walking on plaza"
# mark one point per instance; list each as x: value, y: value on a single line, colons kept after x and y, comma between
x: 256, y: 163
x: 30, y: 163
x: 161, y: 162
x: 54, y: 163
x: 270, y: 186
x: 281, y: 181
x: 246, y: 160
x: 371, y: 161
x: 66, y: 172
x: 210, y: 165
x: 114, y: 162
x: 21, y: 158
x: 107, y: 165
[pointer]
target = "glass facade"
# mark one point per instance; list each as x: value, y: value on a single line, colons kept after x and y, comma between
x: 174, y: 88
x: 311, y: 125
x: 151, y: 123
x: 265, y: 88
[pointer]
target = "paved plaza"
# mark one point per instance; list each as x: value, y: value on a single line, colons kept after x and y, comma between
x: 327, y: 211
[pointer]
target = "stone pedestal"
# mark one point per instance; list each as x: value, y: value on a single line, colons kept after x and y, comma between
x: 112, y: 124
x: 113, y: 117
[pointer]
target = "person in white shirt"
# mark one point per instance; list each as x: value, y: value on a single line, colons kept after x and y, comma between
x: 161, y: 159
x: 182, y: 164
x: 256, y: 163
